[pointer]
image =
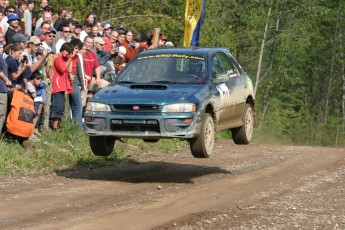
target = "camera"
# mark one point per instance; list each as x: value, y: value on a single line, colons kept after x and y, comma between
x: 132, y: 45
x: 25, y: 59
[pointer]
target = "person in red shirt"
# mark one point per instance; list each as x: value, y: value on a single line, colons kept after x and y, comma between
x: 61, y: 83
x: 131, y: 47
x: 91, y: 66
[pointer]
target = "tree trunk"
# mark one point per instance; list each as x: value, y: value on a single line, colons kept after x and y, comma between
x: 266, y: 100
x: 330, y: 81
x: 262, y: 52
x: 49, y: 70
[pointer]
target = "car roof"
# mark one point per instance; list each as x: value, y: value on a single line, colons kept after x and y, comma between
x: 202, y: 51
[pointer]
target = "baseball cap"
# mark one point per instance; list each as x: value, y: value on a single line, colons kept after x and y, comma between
x: 12, y: 17
x: 98, y: 40
x: 50, y: 30
x: 70, y: 20
x: 106, y: 25
x: 163, y: 38
x: 35, y: 40
x: 19, y: 37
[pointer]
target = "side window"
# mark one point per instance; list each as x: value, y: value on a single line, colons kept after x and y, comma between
x: 217, y: 67
x: 229, y: 67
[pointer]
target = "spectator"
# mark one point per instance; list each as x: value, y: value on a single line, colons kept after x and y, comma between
x: 4, y: 21
x: 64, y: 35
x: 61, y: 17
x: 113, y: 39
x: 40, y: 31
x: 161, y: 41
x: 86, y: 30
x: 91, y: 65
x: 131, y: 47
x: 61, y: 83
x: 13, y: 21
x: 75, y: 98
x: 71, y: 24
x: 76, y: 31
x: 121, y: 38
x: 30, y: 51
x: 19, y: 126
x: 5, y: 83
x: 48, y: 41
x: 47, y: 17
x: 104, y: 59
x: 2, y: 39
x: 35, y: 87
x: 91, y: 18
x: 94, y: 32
x: 106, y: 34
x: 22, y: 6
x: 16, y: 69
x: 28, y: 17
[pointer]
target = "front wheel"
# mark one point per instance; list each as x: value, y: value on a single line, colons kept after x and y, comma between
x: 202, y: 146
x: 102, y: 145
x: 243, y: 135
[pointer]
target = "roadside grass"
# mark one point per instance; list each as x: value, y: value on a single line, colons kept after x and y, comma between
x: 68, y: 148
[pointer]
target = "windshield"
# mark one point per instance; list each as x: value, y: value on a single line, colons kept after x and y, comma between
x: 165, y: 68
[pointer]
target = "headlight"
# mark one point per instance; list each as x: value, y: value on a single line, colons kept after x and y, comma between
x: 179, y: 108
x: 93, y: 106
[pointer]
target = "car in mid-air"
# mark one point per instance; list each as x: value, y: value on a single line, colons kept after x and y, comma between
x: 185, y: 93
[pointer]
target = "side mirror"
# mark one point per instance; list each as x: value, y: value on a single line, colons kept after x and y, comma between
x: 220, y: 78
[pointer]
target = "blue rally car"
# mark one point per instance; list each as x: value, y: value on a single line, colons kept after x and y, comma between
x: 185, y: 93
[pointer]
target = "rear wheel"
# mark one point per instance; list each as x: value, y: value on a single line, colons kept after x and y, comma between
x: 102, y: 145
x: 202, y: 146
x: 243, y: 135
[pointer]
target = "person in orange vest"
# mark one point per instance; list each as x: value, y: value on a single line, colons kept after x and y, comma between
x: 19, y: 122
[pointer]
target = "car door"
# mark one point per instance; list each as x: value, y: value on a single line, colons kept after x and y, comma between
x: 223, y: 90
x: 231, y: 92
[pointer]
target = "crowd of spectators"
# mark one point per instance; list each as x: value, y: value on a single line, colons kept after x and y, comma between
x: 43, y: 47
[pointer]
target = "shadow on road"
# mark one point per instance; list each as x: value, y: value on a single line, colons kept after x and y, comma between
x: 142, y: 172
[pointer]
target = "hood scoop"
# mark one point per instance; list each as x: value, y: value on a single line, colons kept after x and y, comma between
x: 149, y: 86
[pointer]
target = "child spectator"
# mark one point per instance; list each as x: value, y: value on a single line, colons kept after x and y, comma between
x: 35, y: 90
x: 61, y: 83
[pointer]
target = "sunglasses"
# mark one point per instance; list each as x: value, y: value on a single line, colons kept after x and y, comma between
x: 51, y: 36
x: 45, y: 28
x: 67, y: 31
x: 11, y: 11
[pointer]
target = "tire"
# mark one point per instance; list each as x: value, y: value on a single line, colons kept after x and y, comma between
x: 151, y: 140
x: 202, y: 146
x: 102, y: 145
x: 243, y: 135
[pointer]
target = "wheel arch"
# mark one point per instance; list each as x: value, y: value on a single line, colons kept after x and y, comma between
x: 210, y: 110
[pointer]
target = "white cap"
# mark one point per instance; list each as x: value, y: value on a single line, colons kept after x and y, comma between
x: 122, y: 50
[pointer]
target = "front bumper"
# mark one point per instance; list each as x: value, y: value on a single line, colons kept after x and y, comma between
x: 164, y: 125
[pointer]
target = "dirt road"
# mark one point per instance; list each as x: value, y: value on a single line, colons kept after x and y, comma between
x: 239, y: 187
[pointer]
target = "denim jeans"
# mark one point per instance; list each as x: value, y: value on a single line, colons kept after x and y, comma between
x: 76, y: 106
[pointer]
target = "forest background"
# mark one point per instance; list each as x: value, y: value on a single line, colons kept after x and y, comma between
x: 292, y: 49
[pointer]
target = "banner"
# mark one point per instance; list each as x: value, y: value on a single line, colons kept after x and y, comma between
x: 193, y: 18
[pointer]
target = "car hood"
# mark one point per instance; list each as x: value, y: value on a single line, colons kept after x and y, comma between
x: 147, y: 93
